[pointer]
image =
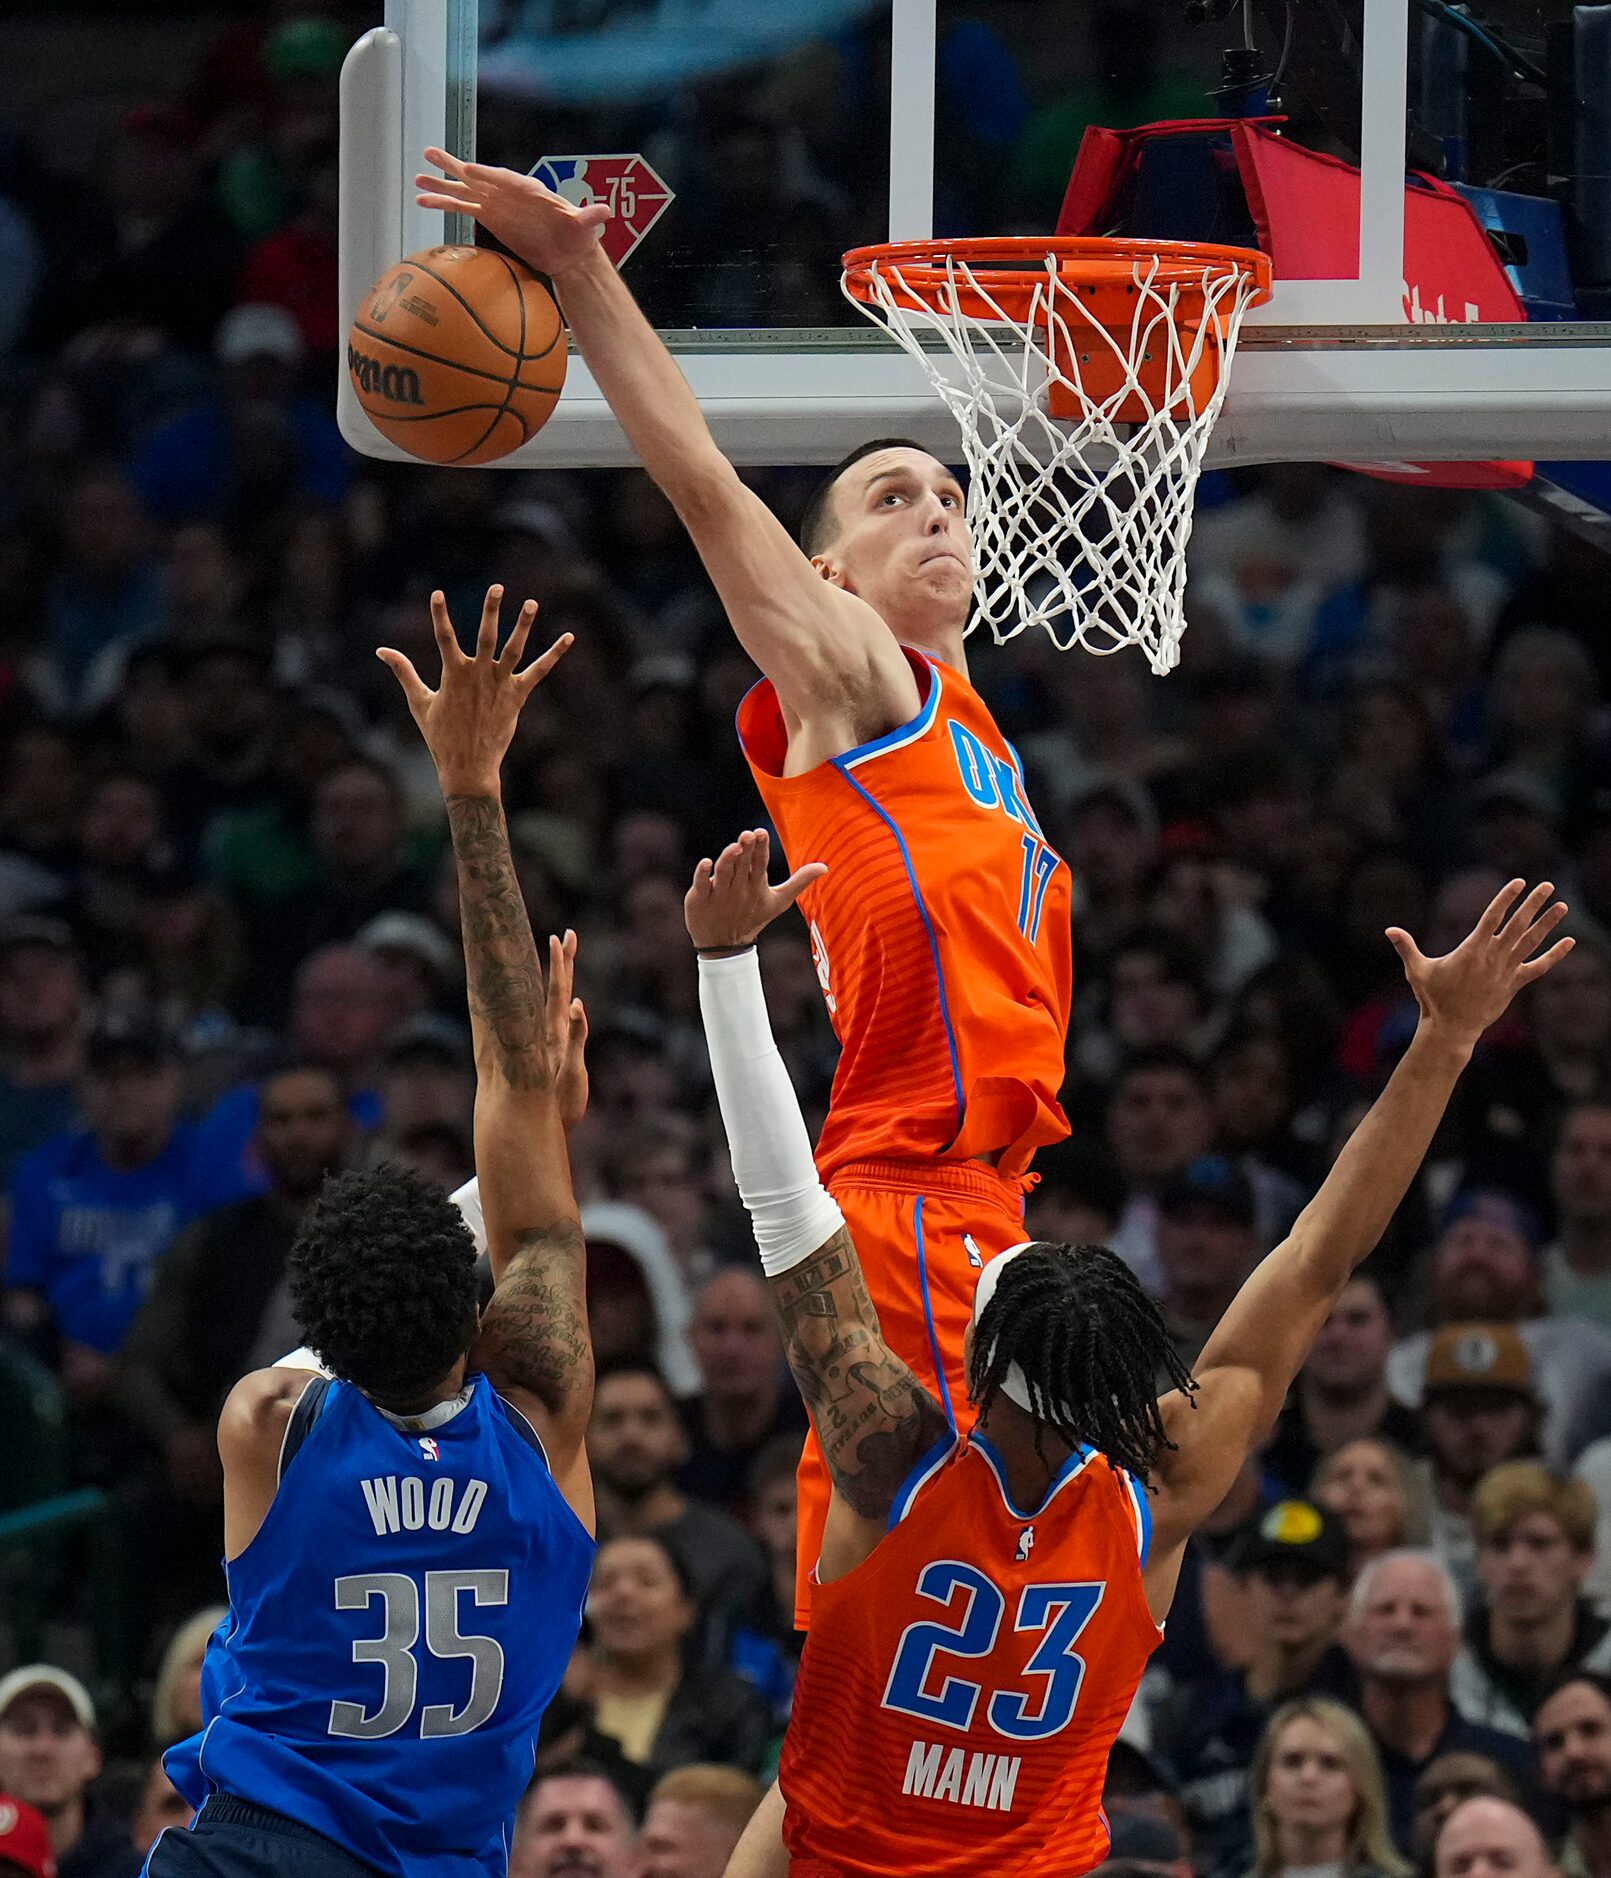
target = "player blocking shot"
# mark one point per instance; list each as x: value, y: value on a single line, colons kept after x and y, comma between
x: 408, y: 1537
x: 986, y: 1603
x: 941, y: 929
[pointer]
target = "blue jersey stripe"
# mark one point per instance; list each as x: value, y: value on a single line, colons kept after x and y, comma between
x: 909, y: 732
x: 928, y: 1312
x: 928, y: 927
x: 914, y: 1482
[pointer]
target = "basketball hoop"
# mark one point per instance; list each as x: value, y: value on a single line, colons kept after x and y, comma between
x: 1086, y: 375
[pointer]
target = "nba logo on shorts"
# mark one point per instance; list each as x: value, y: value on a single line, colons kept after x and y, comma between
x: 1026, y: 1540
x: 429, y: 1448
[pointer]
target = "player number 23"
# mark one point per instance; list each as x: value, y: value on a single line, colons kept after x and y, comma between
x: 392, y: 1652
x: 974, y: 1610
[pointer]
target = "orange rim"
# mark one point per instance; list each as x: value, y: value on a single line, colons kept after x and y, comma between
x: 1014, y: 269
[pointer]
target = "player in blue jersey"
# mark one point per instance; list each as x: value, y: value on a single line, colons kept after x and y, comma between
x: 408, y: 1538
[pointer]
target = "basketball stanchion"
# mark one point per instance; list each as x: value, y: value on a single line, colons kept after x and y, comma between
x: 1085, y: 375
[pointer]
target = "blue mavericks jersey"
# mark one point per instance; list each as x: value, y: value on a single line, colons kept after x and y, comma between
x: 395, y: 1631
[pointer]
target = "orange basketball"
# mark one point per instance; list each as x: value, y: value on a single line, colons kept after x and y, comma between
x: 458, y: 355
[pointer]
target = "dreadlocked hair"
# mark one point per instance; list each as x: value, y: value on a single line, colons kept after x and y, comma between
x: 1091, y: 1345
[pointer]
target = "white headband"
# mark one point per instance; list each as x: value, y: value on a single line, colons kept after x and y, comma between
x: 1014, y: 1384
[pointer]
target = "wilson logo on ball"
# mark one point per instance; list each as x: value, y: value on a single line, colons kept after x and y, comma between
x: 397, y: 384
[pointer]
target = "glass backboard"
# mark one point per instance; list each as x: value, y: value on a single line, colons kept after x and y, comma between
x: 793, y: 130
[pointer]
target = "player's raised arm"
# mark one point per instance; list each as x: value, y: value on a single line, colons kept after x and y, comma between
x: 534, y: 1336
x: 1259, y: 1345
x: 875, y: 1420
x: 816, y: 644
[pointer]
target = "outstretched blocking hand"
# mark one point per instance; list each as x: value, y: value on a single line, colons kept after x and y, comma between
x: 544, y: 229
x: 1470, y: 988
x: 469, y: 721
x: 565, y: 1017
x: 731, y: 901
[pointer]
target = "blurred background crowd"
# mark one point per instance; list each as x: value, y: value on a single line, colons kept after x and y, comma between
x: 229, y: 962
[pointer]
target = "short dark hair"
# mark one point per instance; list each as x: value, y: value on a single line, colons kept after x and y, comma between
x: 382, y: 1279
x: 635, y: 1366
x: 1158, y: 1058
x: 1596, y: 1679
x: 819, y: 525
x: 1091, y: 1346
x: 583, y: 1768
x: 676, y: 1560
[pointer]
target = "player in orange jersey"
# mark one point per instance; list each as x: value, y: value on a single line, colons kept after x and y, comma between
x: 985, y: 1605
x: 942, y: 931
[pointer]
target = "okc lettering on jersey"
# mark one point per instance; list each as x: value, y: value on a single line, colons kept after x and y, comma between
x: 961, y: 1778
x: 991, y: 780
x: 407, y: 1504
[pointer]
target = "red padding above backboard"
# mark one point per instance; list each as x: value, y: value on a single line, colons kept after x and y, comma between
x: 1306, y: 209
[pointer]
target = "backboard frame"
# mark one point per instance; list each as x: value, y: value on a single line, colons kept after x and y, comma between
x: 1328, y: 371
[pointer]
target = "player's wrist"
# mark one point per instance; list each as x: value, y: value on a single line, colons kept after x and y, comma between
x: 725, y: 949
x: 470, y: 787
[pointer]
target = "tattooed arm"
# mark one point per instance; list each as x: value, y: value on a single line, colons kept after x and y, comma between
x: 534, y: 1342
x: 873, y: 1417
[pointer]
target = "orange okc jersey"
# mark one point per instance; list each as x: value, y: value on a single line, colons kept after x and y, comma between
x: 961, y: 1688
x: 940, y: 934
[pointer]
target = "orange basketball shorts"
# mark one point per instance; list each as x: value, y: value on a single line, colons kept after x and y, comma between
x: 923, y: 1232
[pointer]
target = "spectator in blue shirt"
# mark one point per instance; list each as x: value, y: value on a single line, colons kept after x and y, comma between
x: 93, y: 1209
x: 254, y: 440
x: 42, y: 1002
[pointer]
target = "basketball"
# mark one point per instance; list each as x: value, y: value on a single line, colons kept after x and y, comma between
x: 458, y: 355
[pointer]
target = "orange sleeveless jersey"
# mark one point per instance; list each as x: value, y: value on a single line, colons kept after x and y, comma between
x: 940, y: 934
x: 961, y: 1688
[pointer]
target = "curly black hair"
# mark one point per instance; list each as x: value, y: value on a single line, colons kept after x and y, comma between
x: 1092, y: 1346
x: 382, y: 1277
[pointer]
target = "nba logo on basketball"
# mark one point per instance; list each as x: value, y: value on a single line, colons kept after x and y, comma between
x: 429, y: 1448
x: 1026, y: 1541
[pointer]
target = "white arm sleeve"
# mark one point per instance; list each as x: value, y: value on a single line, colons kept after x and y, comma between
x: 791, y: 1211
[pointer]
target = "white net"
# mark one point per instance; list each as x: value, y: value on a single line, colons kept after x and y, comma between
x: 1079, y: 521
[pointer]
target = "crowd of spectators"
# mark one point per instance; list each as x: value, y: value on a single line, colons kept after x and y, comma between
x: 229, y: 963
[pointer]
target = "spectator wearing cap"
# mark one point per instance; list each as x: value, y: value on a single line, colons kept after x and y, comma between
x: 1572, y: 1732
x: 42, y: 1006
x: 421, y: 962
x: 1208, y: 1242
x: 93, y: 1209
x: 1489, y: 1838
x: 1445, y: 1784
x: 1402, y: 1634
x: 1535, y: 1543
x: 427, y: 1077
x: 1577, y: 1267
x: 1141, y: 1847
x: 218, y: 1308
x: 1479, y: 1408
x: 1158, y: 1121
x: 1341, y: 1394
x: 696, y: 1817
x: 1485, y: 1269
x: 1293, y: 1571
x: 25, y: 1850
x: 49, y: 1755
x: 213, y: 459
